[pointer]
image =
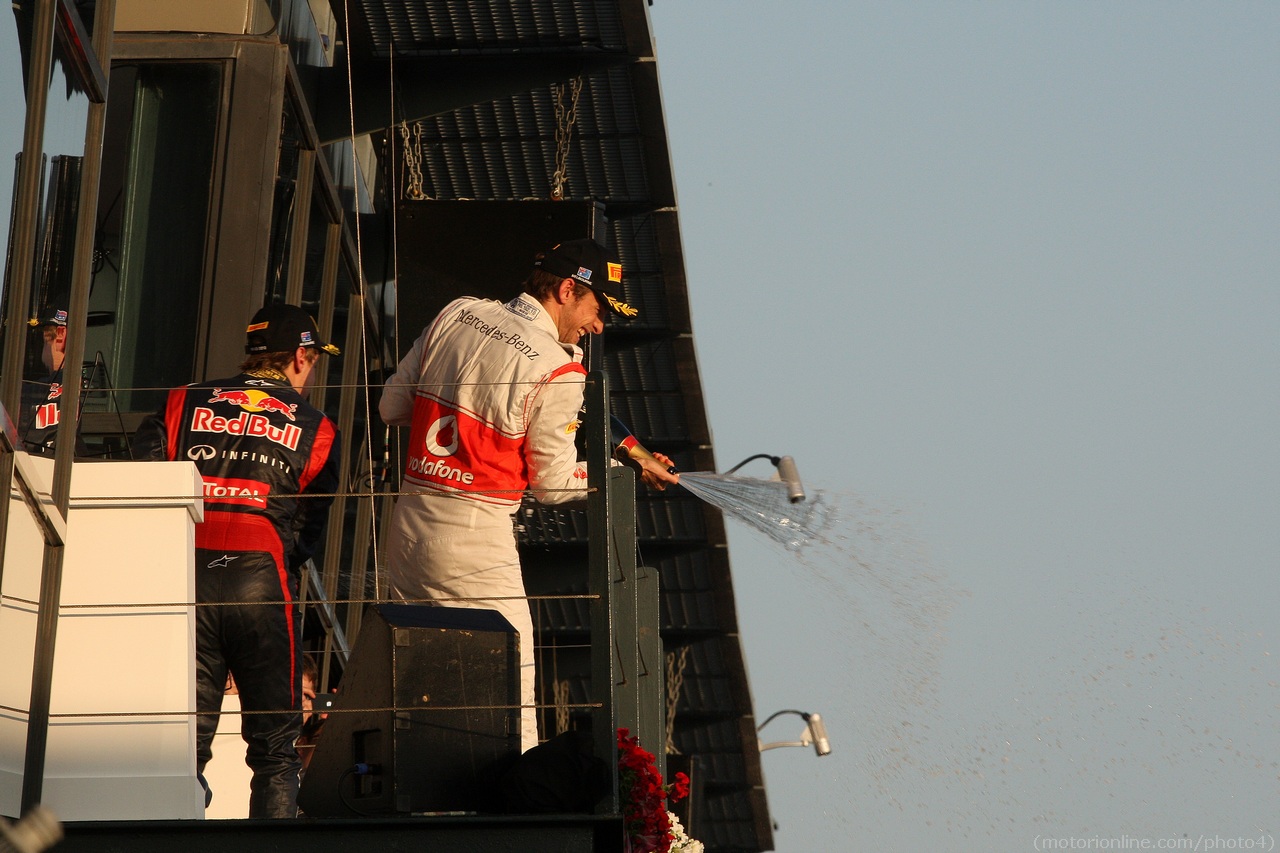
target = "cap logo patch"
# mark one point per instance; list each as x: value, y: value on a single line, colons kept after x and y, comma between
x: 256, y: 327
x: 60, y: 317
x: 621, y: 307
x: 615, y: 271
x: 584, y: 273
x: 306, y: 338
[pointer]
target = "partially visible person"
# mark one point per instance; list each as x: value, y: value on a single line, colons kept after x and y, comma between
x: 310, y: 681
x: 42, y: 398
x: 312, y: 723
x: 493, y: 392
x: 262, y: 450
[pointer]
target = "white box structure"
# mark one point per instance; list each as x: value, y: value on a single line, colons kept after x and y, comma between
x: 121, y: 739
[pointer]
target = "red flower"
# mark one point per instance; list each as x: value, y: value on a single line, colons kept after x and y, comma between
x: 644, y: 813
x: 679, y: 789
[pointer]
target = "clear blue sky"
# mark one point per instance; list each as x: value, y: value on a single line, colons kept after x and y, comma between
x: 1004, y: 278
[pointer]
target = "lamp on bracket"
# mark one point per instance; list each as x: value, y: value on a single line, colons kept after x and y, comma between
x: 786, y: 472
x: 814, y: 734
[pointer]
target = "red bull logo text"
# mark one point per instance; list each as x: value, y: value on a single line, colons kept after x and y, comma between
x: 253, y: 400
x: 205, y: 420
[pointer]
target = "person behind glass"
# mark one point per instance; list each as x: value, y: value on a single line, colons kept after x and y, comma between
x: 42, y: 398
x: 312, y: 722
x: 261, y: 450
x: 492, y: 392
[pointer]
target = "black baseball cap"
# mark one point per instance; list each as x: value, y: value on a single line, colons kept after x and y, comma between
x: 587, y: 262
x: 49, y: 317
x: 283, y: 328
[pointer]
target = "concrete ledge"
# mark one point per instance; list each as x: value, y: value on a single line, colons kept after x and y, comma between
x: 497, y: 834
x: 232, y: 17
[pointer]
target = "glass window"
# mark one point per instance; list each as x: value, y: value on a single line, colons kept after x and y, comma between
x: 319, y: 227
x: 13, y: 105
x: 53, y: 245
x: 153, y: 212
x: 284, y: 207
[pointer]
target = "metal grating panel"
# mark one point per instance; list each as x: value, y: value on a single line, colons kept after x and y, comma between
x: 541, y: 524
x: 677, y: 519
x: 558, y: 615
x: 648, y: 366
x: 505, y: 149
x: 689, y: 612
x: 728, y: 824
x: 446, y: 28
x: 659, y: 417
x: 708, y: 737
x: 663, y: 520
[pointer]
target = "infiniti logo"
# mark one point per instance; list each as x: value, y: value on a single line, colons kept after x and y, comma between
x: 201, y: 451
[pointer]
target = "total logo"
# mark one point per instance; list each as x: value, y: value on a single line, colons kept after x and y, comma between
x: 254, y: 400
x: 235, y: 491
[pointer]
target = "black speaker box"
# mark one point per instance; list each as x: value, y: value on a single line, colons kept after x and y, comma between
x: 428, y: 706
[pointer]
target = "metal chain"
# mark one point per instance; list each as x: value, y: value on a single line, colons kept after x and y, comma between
x: 565, y: 118
x: 413, y: 160
x: 561, y: 691
x: 675, y: 683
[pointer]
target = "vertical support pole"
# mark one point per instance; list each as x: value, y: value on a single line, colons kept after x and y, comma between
x: 651, y: 693
x: 600, y: 574
x: 68, y: 427
x: 622, y: 533
x: 22, y: 235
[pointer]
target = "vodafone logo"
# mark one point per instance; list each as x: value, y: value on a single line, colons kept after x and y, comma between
x: 442, y: 436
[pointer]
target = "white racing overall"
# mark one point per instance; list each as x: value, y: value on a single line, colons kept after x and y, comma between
x: 493, y: 398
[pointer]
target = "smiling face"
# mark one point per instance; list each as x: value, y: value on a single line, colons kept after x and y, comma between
x: 55, y: 347
x: 579, y: 313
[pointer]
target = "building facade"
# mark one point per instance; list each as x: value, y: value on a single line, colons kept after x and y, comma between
x: 370, y: 161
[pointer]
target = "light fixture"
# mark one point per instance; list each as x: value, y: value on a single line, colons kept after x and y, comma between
x: 787, y: 473
x: 814, y: 734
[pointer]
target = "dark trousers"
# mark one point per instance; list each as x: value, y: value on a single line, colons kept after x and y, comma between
x: 257, y: 643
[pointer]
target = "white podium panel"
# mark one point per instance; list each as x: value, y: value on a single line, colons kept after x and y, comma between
x: 121, y: 741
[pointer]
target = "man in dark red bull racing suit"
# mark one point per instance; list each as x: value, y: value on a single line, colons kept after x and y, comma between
x: 261, y: 448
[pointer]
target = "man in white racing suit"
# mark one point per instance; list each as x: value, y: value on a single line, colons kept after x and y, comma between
x: 493, y: 392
